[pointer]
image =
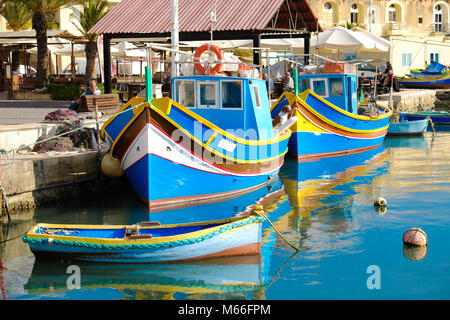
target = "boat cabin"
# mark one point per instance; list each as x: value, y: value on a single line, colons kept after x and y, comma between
x: 231, y: 103
x: 338, y: 88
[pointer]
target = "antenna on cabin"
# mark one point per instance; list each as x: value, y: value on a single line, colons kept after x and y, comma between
x: 174, y: 36
x: 212, y: 19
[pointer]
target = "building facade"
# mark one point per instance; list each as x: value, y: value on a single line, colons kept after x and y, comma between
x: 418, y: 29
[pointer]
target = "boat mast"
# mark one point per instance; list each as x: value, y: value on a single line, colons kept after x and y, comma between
x: 175, y: 36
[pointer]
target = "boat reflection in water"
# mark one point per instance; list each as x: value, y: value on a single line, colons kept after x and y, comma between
x: 321, y: 195
x: 406, y: 142
x: 238, y: 277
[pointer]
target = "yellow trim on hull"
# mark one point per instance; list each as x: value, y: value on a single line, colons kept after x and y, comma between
x: 301, y: 99
x: 158, y: 106
x: 120, y: 241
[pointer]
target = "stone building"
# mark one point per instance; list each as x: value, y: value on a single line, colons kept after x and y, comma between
x: 419, y: 29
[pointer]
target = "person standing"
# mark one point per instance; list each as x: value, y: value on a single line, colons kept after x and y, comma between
x: 287, y: 82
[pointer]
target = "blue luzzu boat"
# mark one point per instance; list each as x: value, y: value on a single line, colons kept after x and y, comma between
x: 213, y: 138
x: 330, y: 120
x: 433, y: 77
x: 147, y: 242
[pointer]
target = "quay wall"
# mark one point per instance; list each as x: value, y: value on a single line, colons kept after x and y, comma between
x: 35, y: 181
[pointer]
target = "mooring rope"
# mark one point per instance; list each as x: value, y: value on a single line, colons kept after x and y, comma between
x: 260, y: 213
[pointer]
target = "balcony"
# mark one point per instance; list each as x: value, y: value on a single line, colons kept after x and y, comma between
x: 395, y: 29
x: 439, y: 28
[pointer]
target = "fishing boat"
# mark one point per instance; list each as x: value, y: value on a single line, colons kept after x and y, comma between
x: 330, y: 120
x: 408, y: 128
x: 434, y: 76
x: 147, y: 242
x: 438, y: 117
x: 213, y: 138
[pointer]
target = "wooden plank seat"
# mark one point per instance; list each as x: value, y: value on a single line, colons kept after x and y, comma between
x: 106, y: 103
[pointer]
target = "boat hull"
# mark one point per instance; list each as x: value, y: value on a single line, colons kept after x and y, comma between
x: 408, y: 128
x: 242, y: 237
x: 438, y: 118
x: 168, y: 166
x: 323, y: 130
x: 442, y: 82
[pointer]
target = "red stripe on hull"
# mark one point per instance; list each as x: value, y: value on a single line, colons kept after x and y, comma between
x: 315, y: 156
x: 189, y: 201
x: 245, y: 250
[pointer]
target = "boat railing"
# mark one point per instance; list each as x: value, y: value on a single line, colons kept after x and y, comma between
x: 243, y: 69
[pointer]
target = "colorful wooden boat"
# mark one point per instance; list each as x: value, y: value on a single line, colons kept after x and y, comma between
x: 147, y: 242
x: 408, y: 128
x: 330, y: 120
x: 434, y: 76
x: 438, y: 117
x: 215, y: 138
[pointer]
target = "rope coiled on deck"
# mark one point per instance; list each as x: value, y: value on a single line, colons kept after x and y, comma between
x: 149, y: 245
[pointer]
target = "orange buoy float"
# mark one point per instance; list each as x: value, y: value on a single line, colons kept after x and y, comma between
x: 211, y: 48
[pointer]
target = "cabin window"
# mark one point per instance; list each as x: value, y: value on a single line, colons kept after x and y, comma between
x: 303, y: 85
x: 185, y: 93
x: 319, y: 86
x: 208, y: 95
x: 336, y: 87
x: 231, y: 94
x: 257, y: 98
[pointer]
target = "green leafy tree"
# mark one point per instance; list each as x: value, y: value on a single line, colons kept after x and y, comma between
x: 16, y: 14
x: 91, y: 13
x: 44, y: 12
x: 17, y: 18
x: 349, y: 25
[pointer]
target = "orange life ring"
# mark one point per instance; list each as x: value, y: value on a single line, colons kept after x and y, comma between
x: 208, y: 47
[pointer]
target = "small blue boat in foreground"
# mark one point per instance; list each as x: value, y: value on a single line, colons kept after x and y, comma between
x: 408, y: 128
x: 148, y: 242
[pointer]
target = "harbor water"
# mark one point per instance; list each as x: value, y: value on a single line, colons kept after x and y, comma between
x: 349, y: 248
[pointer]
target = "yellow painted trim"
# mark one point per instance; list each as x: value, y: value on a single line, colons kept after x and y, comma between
x: 211, y: 138
x: 223, y: 132
x: 425, y: 79
x: 282, y: 137
x: 121, y: 241
x: 333, y: 124
x: 163, y: 104
x: 129, y: 103
x: 139, y: 110
x: 349, y: 114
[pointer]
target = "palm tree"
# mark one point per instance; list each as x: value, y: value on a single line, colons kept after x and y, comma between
x: 349, y: 25
x: 16, y: 14
x: 17, y: 18
x: 92, y: 12
x: 43, y: 12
